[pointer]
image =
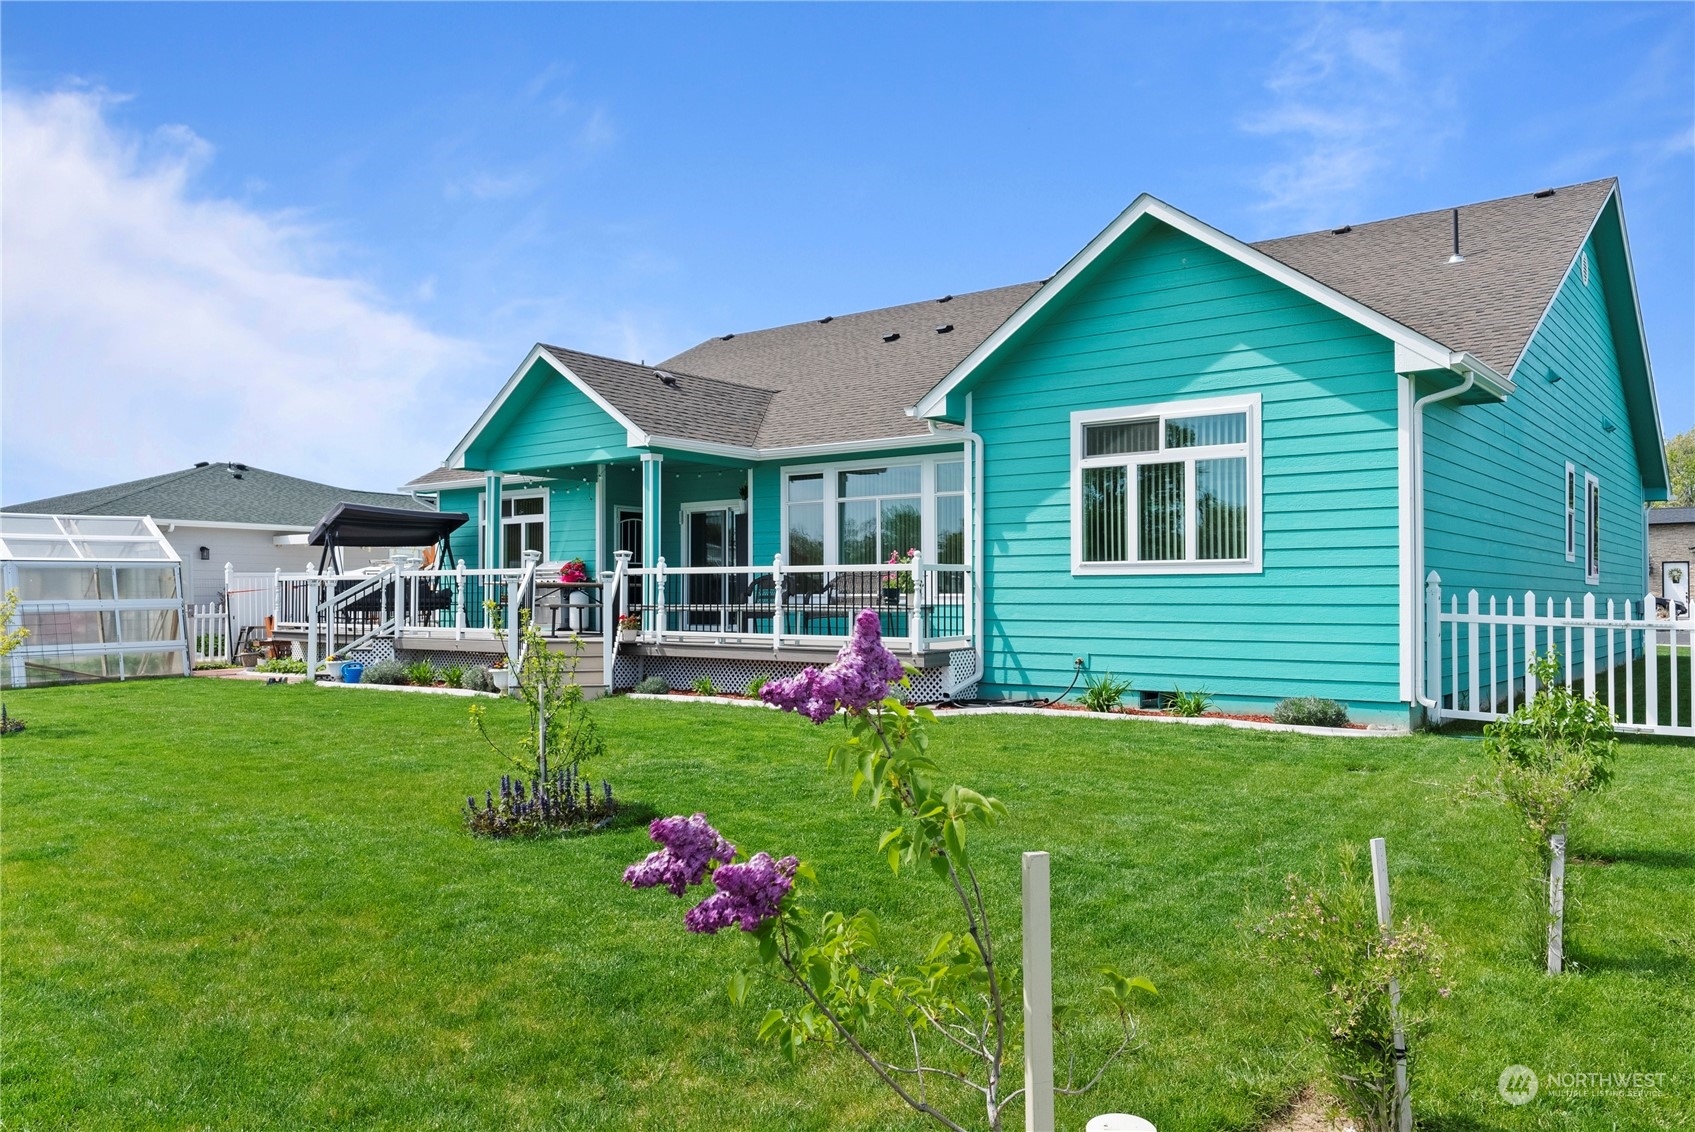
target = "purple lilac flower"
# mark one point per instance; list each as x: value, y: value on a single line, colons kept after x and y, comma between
x: 859, y: 677
x: 690, y: 847
x: 747, y: 895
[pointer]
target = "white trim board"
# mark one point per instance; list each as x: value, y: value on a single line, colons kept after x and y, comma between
x: 539, y: 352
x: 1429, y: 353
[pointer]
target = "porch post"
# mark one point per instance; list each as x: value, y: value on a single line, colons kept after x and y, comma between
x: 599, y: 518
x: 491, y: 532
x: 653, y: 467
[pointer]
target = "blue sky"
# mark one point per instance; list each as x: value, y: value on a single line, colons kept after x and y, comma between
x: 318, y: 237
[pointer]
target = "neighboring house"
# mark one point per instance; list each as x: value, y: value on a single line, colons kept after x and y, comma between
x: 217, y: 513
x: 1671, y: 552
x: 1189, y: 460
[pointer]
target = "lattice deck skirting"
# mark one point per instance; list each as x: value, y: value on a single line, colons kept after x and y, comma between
x: 734, y: 674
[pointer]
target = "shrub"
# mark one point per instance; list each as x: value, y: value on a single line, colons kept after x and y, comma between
x: 1543, y: 759
x: 421, y: 672
x: 477, y: 679
x: 703, y: 686
x: 1189, y: 703
x: 1330, y: 935
x: 1310, y: 711
x: 281, y: 664
x: 454, y: 674
x: 756, y: 684
x: 385, y: 672
x: 653, y: 686
x: 1105, y: 692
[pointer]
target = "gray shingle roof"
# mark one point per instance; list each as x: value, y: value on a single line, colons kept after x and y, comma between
x: 216, y: 493
x: 1516, y: 250
x: 442, y: 475
x: 1658, y: 515
x: 693, y: 406
x: 840, y: 380
x: 852, y: 377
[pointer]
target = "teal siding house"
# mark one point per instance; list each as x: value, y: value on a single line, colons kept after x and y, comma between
x: 1188, y: 460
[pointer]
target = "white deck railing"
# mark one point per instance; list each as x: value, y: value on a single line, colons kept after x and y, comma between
x: 1627, y: 656
x: 920, y: 606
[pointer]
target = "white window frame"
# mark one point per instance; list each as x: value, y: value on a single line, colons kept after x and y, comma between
x: 685, y: 510
x: 1569, y: 490
x: 1248, y: 403
x: 543, y: 494
x: 832, y: 498
x: 1591, y: 528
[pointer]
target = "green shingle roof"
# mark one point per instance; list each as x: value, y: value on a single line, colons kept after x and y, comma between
x: 216, y: 493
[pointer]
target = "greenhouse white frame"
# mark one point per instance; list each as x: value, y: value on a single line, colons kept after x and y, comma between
x: 101, y: 596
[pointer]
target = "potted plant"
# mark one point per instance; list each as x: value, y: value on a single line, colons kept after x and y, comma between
x: 501, y: 675
x: 898, y: 582
x: 333, y: 665
x: 629, y: 628
x: 573, y: 572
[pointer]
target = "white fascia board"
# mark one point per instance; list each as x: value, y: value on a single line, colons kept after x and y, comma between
x: 1147, y: 205
x: 840, y: 448
x: 476, y: 481
x: 1641, y: 331
x: 275, y: 528
x: 539, y: 352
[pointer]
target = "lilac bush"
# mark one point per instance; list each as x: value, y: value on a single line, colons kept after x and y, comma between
x: 951, y: 1003
x: 691, y: 847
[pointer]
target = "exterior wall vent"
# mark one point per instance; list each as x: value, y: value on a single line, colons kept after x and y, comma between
x: 1583, y: 268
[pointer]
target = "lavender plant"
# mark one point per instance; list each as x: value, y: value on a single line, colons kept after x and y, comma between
x: 948, y: 1013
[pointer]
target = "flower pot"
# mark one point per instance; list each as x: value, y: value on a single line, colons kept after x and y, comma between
x: 502, y: 678
x: 629, y: 636
x: 335, y: 668
x: 247, y: 659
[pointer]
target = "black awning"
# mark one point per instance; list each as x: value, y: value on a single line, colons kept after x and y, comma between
x: 356, y: 524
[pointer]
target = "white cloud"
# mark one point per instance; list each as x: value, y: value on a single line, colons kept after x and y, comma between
x: 146, y: 327
x: 485, y: 185
x: 1348, y: 110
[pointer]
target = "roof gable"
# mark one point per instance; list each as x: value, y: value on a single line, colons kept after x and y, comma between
x: 1416, y: 349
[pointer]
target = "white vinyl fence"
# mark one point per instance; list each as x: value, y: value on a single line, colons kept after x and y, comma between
x: 209, y: 636
x: 1622, y: 654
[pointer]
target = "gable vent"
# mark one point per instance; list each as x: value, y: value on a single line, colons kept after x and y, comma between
x: 892, y: 336
x: 1342, y: 231
x: 1583, y: 267
x: 1544, y: 194
x: 665, y: 379
x: 945, y: 328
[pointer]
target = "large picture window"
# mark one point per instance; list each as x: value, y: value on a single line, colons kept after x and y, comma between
x: 1166, y: 488
x: 846, y: 515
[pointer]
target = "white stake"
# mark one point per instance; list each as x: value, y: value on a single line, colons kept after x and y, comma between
x: 1556, y: 902
x: 1038, y: 997
x: 1380, y: 882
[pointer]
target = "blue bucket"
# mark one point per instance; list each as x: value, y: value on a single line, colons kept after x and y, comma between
x: 351, y: 673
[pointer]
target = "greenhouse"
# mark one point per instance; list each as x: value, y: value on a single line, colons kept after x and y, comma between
x: 101, y: 597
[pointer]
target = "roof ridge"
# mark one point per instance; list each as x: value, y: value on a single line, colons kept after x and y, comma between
x: 656, y: 368
x: 872, y: 310
x: 1433, y: 211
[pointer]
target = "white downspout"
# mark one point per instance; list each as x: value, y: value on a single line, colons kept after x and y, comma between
x: 979, y: 663
x: 1417, y: 485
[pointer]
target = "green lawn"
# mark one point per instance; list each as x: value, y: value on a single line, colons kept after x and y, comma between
x: 235, y: 906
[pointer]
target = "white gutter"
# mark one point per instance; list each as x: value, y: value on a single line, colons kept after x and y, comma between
x: 979, y: 661
x: 1417, y: 486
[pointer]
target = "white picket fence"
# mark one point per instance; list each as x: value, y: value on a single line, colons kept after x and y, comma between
x: 209, y: 633
x: 1478, y: 652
